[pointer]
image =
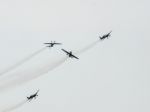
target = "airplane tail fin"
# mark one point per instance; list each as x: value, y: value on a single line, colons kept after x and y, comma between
x: 101, y: 38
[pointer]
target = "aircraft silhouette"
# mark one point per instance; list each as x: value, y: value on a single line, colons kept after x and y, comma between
x: 105, y: 36
x: 33, y: 96
x: 51, y: 44
x: 70, y: 54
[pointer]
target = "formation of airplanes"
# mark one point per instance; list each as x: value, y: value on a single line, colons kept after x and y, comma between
x: 69, y: 53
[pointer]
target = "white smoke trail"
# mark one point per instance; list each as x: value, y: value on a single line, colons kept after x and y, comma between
x: 27, y: 75
x: 24, y: 76
x: 21, y: 62
x: 86, y: 48
x: 15, y: 106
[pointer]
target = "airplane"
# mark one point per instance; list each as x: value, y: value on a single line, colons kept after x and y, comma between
x: 51, y: 44
x: 105, y: 36
x: 33, y: 96
x: 70, y: 54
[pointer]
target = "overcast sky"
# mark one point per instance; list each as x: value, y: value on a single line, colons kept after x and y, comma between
x: 113, y: 76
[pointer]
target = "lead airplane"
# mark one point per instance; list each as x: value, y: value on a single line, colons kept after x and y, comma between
x: 105, y: 36
x: 51, y: 44
x: 70, y: 54
x: 33, y: 96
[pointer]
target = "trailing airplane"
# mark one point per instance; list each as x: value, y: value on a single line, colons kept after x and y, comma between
x: 51, y: 44
x: 105, y: 36
x: 70, y: 54
x: 33, y: 96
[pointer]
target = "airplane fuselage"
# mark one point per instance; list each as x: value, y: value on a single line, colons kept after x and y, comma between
x: 105, y: 36
x: 32, y: 96
x: 70, y: 54
x: 52, y: 45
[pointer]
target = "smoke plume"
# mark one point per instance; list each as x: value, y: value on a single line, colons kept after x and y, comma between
x: 21, y: 62
x: 15, y: 106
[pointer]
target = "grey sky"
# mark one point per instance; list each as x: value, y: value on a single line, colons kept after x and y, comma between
x: 112, y: 76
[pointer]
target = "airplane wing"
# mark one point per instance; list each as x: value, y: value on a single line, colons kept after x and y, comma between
x: 74, y: 56
x: 109, y: 33
x: 47, y: 43
x: 37, y: 91
x: 57, y: 43
x: 65, y: 51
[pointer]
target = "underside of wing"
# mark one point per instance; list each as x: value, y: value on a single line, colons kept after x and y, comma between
x: 47, y: 43
x: 65, y: 51
x: 75, y: 57
x: 57, y: 43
